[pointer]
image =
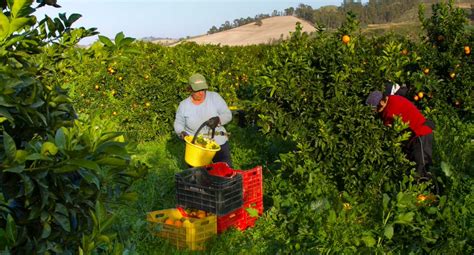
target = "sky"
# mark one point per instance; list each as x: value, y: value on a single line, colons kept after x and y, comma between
x: 165, y: 18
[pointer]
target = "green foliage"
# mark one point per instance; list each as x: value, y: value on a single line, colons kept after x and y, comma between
x: 336, y: 179
x: 54, y: 169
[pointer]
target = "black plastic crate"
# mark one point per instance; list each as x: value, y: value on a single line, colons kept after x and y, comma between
x: 197, y: 189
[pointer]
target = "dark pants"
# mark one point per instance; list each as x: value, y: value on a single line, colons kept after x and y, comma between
x: 223, y: 155
x: 420, y: 150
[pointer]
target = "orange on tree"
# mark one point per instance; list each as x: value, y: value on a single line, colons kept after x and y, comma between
x: 97, y: 87
x: 452, y: 75
x: 346, y: 39
x: 467, y: 50
x: 426, y: 71
x: 416, y: 98
x: 404, y: 52
x: 420, y: 95
x: 147, y: 104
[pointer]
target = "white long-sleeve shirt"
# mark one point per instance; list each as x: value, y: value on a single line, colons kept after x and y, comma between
x: 189, y: 117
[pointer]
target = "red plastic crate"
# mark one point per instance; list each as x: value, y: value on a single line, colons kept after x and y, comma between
x: 252, y: 181
x: 229, y: 220
x: 247, y: 220
x: 252, y: 184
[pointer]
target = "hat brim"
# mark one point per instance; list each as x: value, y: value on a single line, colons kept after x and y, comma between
x: 199, y: 86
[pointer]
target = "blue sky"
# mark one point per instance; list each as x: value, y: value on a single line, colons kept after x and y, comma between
x: 166, y: 18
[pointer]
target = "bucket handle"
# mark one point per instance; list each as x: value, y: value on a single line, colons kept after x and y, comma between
x: 199, y: 129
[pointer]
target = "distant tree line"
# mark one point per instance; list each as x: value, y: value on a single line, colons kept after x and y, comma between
x: 240, y: 22
x: 372, y: 12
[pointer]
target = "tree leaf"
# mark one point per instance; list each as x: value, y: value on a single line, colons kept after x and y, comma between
x: 19, y: 23
x: 4, y: 26
x: 386, y: 199
x: 446, y: 168
x: 46, y: 230
x: 63, y: 221
x: 16, y: 169
x: 21, y: 8
x: 90, y: 178
x: 252, y: 212
x: 60, y: 138
x: 73, y: 18
x: 106, y: 41
x: 9, y: 146
x: 369, y: 241
x: 4, y: 112
x: 11, y: 229
x: 389, y: 232
x: 118, y: 38
x: 405, y: 218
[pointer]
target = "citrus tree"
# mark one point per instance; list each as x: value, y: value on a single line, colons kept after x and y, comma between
x: 58, y: 173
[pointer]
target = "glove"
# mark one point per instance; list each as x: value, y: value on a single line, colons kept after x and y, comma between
x: 183, y: 134
x: 213, y: 122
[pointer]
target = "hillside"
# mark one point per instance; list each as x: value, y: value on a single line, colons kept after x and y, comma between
x: 270, y: 30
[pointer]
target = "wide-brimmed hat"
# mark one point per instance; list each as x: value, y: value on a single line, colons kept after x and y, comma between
x: 374, y: 98
x: 197, y: 82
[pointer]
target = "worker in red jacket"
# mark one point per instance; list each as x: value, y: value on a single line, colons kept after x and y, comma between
x: 419, y: 147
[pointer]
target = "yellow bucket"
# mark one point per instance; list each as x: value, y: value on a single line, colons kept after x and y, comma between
x: 196, y: 155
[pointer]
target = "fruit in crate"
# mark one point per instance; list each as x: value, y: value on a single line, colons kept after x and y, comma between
x: 169, y: 221
x: 201, y: 214
x: 178, y: 223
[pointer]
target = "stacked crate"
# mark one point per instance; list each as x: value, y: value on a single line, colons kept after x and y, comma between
x: 220, y: 194
x: 252, y: 190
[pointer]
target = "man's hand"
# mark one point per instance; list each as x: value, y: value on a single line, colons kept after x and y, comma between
x: 183, y: 134
x: 213, y: 122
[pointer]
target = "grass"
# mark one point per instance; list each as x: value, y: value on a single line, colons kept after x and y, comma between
x: 165, y: 157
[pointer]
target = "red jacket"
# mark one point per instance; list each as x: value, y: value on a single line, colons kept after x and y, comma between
x: 400, y: 106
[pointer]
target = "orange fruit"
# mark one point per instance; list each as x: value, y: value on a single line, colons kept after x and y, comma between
x: 201, y: 214
x: 421, y: 197
x: 114, y: 113
x: 420, y: 95
x: 452, y: 75
x: 169, y: 221
x: 404, y: 52
x: 416, y: 98
x: 147, y: 104
x: 346, y: 39
x: 97, y: 87
x: 467, y: 50
x: 426, y: 71
x: 178, y: 223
